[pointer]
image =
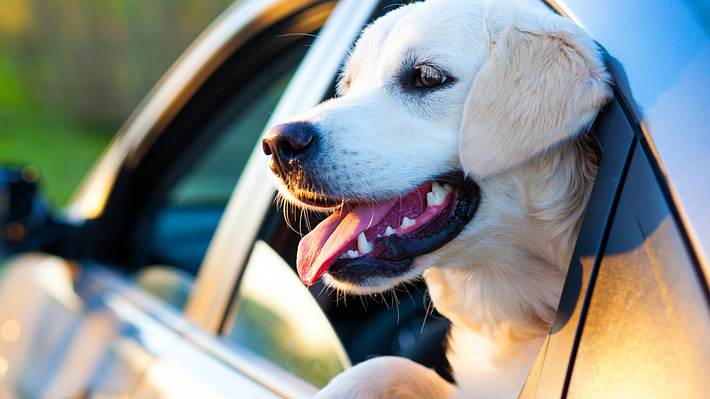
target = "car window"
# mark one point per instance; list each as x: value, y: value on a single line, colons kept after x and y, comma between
x: 170, y: 245
x: 186, y: 221
x: 213, y: 176
x: 275, y: 316
x: 646, y: 329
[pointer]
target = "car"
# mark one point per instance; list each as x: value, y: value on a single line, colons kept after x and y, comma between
x: 171, y: 273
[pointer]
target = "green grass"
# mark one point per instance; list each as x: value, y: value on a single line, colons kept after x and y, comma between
x: 66, y: 66
x: 61, y: 149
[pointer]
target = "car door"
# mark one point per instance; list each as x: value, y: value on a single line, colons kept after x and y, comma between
x: 634, y: 312
x: 647, y: 318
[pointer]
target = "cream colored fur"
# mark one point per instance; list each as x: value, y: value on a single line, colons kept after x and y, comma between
x: 528, y: 84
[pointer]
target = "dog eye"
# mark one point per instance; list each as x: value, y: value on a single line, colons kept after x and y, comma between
x: 428, y: 77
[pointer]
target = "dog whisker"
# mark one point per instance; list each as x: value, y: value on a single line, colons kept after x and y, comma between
x: 323, y: 288
x: 362, y: 301
x: 429, y: 309
x: 395, y: 301
x: 297, y: 34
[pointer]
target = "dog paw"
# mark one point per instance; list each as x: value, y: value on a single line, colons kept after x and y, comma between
x: 387, y: 377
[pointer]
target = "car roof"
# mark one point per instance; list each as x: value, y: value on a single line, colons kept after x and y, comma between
x: 660, y: 57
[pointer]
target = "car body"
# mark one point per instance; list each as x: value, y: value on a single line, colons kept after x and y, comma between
x: 171, y: 273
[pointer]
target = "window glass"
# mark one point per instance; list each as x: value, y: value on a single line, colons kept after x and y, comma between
x: 174, y: 242
x: 185, y: 223
x: 646, y: 330
x: 213, y: 177
x: 278, y: 319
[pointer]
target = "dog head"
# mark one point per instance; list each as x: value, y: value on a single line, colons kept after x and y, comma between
x: 435, y: 98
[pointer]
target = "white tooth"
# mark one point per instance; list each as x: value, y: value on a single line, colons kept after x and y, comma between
x: 439, y: 191
x: 389, y: 231
x: 407, y: 222
x: 362, y: 244
x: 448, y: 188
x: 352, y: 254
x: 433, y: 199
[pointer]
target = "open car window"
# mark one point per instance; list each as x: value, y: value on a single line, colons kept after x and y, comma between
x: 172, y: 238
x: 186, y: 221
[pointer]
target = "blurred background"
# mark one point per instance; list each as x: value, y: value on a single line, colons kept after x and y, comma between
x: 71, y: 71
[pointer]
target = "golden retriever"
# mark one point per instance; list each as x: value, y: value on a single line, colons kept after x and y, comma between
x: 455, y: 151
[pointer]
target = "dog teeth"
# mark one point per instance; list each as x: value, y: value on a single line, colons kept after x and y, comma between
x: 363, y: 246
x: 389, y: 231
x: 352, y: 254
x: 437, y: 195
x: 440, y: 191
x: 407, y: 222
x: 433, y: 200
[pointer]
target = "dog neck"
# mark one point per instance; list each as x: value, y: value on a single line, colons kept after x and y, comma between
x: 505, y: 273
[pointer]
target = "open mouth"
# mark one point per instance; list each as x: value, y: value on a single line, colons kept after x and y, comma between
x: 381, y: 239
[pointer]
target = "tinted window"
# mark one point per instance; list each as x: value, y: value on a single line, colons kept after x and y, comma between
x: 647, y: 325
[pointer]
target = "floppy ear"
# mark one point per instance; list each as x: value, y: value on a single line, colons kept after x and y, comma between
x: 543, y: 83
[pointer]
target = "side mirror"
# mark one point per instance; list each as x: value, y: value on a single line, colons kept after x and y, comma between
x: 24, y: 215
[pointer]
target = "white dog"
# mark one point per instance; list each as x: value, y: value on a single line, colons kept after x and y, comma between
x: 453, y: 152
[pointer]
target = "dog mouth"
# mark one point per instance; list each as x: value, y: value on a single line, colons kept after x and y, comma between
x: 380, y: 239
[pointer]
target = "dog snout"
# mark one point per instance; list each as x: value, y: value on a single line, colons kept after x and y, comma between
x: 288, y: 143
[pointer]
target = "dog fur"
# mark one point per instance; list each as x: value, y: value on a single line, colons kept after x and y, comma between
x: 527, y: 84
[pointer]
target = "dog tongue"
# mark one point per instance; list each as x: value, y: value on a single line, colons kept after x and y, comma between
x: 320, y: 248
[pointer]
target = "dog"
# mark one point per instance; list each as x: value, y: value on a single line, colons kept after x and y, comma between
x: 455, y: 150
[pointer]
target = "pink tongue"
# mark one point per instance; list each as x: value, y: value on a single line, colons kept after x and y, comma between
x: 321, y: 247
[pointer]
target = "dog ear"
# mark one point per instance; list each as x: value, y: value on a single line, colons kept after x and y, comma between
x: 542, y: 83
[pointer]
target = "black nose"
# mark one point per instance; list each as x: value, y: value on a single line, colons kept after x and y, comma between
x: 288, y: 141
